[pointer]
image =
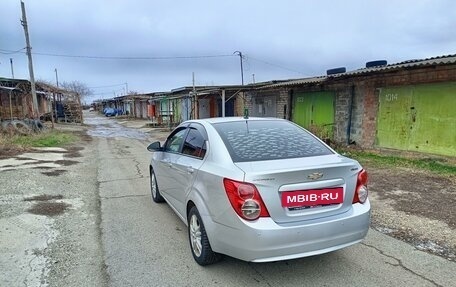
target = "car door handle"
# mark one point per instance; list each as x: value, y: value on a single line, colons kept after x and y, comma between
x: 167, y: 162
x: 190, y: 169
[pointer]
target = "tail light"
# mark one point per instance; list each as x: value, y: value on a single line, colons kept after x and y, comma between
x: 361, y: 188
x: 245, y: 199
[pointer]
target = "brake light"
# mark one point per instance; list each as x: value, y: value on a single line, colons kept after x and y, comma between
x: 361, y: 192
x: 245, y: 199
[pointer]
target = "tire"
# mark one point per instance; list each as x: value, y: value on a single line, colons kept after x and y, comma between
x: 21, y: 127
x: 7, y: 126
x: 199, y: 243
x: 156, y: 196
x: 37, y: 125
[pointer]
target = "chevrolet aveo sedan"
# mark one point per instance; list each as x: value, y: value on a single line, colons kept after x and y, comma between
x: 259, y: 190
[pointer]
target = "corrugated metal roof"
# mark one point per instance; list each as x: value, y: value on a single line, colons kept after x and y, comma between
x: 296, y: 82
x: 12, y: 80
x: 9, y: 88
x: 440, y: 60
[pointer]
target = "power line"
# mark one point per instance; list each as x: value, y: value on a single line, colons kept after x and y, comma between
x: 275, y: 65
x: 131, y: 58
x: 118, y: 57
x: 107, y: 93
x: 9, y: 52
x: 108, y: 86
x: 3, y: 51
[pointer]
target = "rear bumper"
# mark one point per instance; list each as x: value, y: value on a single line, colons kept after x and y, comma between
x: 264, y: 240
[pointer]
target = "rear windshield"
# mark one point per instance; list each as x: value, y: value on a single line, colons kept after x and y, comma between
x: 268, y: 140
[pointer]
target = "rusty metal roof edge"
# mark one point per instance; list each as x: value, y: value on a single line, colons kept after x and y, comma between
x: 438, y: 60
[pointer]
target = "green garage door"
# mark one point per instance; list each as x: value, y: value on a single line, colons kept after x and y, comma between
x: 315, y: 112
x: 418, y: 118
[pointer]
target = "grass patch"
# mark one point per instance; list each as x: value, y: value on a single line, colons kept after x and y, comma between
x: 435, y: 165
x: 50, y: 138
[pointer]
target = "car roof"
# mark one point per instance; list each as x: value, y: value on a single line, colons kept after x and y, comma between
x: 231, y: 119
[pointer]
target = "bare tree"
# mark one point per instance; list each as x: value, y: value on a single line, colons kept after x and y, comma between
x: 78, y: 88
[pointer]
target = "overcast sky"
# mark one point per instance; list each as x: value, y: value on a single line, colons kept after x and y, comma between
x: 279, y: 39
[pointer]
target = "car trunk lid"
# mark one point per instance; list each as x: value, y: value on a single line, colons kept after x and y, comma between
x: 304, y: 188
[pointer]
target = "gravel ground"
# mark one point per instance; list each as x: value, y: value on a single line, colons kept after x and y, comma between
x: 416, y: 207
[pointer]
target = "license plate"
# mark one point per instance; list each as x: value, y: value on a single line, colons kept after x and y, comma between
x: 312, y: 197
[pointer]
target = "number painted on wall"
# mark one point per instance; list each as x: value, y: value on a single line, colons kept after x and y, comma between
x: 391, y: 97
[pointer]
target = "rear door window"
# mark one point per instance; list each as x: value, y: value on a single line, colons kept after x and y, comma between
x: 268, y: 140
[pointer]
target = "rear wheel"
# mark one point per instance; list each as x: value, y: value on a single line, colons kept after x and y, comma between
x: 199, y: 243
x: 156, y: 196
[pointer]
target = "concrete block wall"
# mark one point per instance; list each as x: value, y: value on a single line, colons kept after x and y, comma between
x: 341, y: 117
x: 283, y: 104
x: 356, y: 130
x: 242, y: 99
x: 343, y: 100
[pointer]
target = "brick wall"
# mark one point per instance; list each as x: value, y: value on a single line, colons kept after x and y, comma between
x: 369, y: 118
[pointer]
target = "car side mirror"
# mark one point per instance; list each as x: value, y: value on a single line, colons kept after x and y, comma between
x: 155, y: 146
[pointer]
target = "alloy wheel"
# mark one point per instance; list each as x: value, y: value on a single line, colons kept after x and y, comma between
x: 195, y: 235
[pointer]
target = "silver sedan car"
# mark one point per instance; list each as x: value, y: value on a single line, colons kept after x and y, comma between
x: 259, y: 189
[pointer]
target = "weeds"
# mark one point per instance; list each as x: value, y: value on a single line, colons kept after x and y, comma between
x: 48, y: 138
x: 435, y: 165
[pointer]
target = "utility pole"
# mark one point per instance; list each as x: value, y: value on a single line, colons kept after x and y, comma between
x: 253, y: 78
x: 12, y: 69
x: 29, y: 54
x: 246, y: 110
x: 54, y: 108
x: 126, y: 88
x: 195, y: 101
x: 56, y: 77
x: 242, y: 69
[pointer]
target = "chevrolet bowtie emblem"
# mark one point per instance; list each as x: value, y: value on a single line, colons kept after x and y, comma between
x: 315, y: 176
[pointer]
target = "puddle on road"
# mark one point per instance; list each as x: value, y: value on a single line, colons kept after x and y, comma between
x: 49, y: 208
x: 103, y: 127
x: 48, y: 205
